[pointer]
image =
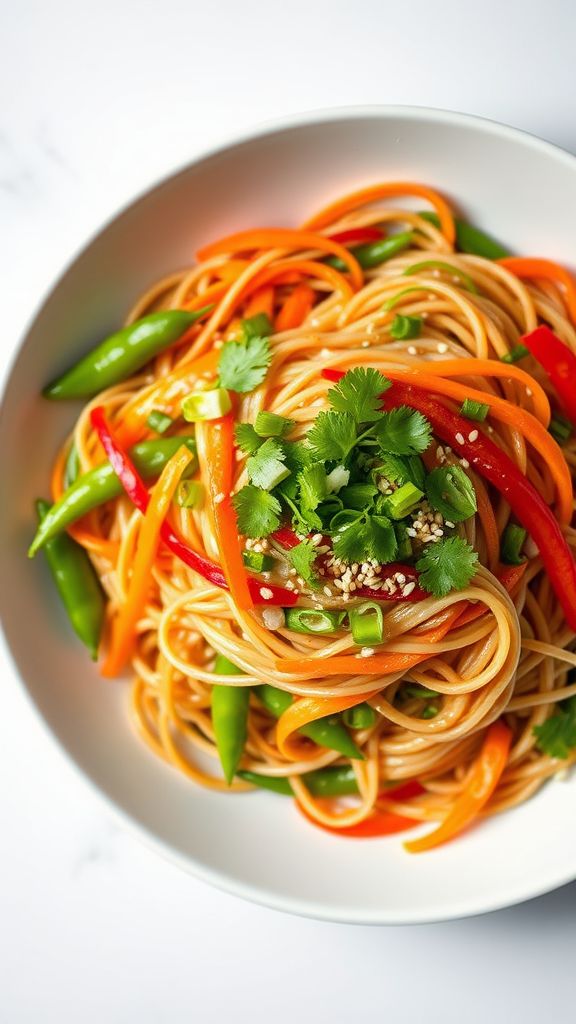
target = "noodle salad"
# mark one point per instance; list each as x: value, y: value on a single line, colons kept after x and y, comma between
x: 319, y: 502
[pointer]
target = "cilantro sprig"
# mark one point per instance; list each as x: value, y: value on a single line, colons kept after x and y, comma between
x: 557, y: 735
x: 303, y: 557
x: 243, y: 364
x: 257, y: 511
x: 447, y: 565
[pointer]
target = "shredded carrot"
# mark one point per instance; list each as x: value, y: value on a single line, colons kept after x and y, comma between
x: 213, y: 294
x: 509, y: 576
x: 489, y: 525
x: 279, y: 272
x: 216, y: 455
x: 284, y: 238
x: 124, y: 626
x: 480, y: 786
x: 296, y: 308
x: 230, y: 270
x: 532, y: 267
x: 262, y: 301
x: 387, y: 190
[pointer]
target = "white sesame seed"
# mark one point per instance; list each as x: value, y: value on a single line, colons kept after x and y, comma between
x: 410, y: 531
x: 327, y: 591
x: 266, y: 594
x: 325, y: 353
x: 464, y: 463
x: 219, y: 498
x: 273, y: 618
x: 345, y: 597
x: 473, y: 435
x: 339, y: 584
x: 317, y: 538
x: 442, y: 347
x: 448, y: 524
x: 366, y: 652
x: 407, y: 590
x: 412, y: 350
x: 459, y: 438
x: 529, y: 392
x: 366, y: 344
x: 289, y: 585
x: 400, y: 577
x: 300, y: 581
x: 352, y: 586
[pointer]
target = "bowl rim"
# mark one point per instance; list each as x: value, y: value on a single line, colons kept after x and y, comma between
x: 220, y: 879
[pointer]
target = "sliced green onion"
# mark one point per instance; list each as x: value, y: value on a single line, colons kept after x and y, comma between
x: 257, y: 561
x: 512, y: 543
x: 430, y: 711
x: 360, y: 717
x: 515, y: 354
x: 258, y: 326
x: 206, y: 405
x: 403, y: 541
x: 448, y: 268
x: 336, y: 479
x: 159, y: 421
x: 358, y: 496
x: 418, y: 692
x: 474, y: 410
x: 372, y: 254
x: 390, y: 303
x: 561, y: 429
x: 404, y: 328
x: 190, y: 494
x: 367, y: 624
x: 451, y: 492
x: 402, y: 501
x: 312, y: 620
x: 268, y: 424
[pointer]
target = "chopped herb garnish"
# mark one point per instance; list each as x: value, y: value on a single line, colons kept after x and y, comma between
x: 258, y: 326
x: 557, y: 735
x: 159, y: 421
x: 447, y: 565
x: 302, y: 558
x: 359, y: 394
x: 450, y: 491
x: 472, y: 410
x: 561, y: 429
x: 404, y: 328
x: 513, y: 540
x: 269, y: 424
x: 246, y: 438
x: 403, y: 469
x: 333, y: 435
x: 257, y: 511
x: 369, y: 536
x: 403, y: 431
x: 515, y: 354
x: 266, y: 467
x: 313, y: 486
x: 243, y: 364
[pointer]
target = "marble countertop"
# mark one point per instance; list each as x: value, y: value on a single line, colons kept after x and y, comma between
x: 99, y: 99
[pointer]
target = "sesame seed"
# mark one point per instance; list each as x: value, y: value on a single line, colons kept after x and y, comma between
x: 300, y: 581
x: 442, y: 347
x: 412, y: 350
x: 459, y: 438
x: 400, y: 577
x: 529, y: 392
x: 219, y: 498
x: 317, y: 538
x: 407, y: 590
x: 266, y: 594
x: 410, y: 531
x: 464, y: 463
x: 339, y: 584
x: 345, y: 597
x: 366, y: 652
x: 366, y: 344
x: 473, y: 435
x: 289, y: 585
x: 327, y: 591
x: 448, y: 524
x: 325, y: 353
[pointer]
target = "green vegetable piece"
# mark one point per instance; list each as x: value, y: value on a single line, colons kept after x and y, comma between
x: 512, y: 543
x: 229, y: 717
x: 360, y: 717
x: 404, y: 328
x: 359, y: 393
x: 243, y: 364
x: 557, y: 735
x: 372, y: 254
x: 266, y: 467
x: 200, y: 406
x: 72, y: 467
x: 447, y: 268
x: 371, y: 536
x: 358, y: 496
x: 395, y: 299
x: 403, y: 469
x: 159, y: 421
x: 257, y: 561
x: 403, y: 431
x: 258, y: 326
x: 448, y: 565
x: 367, y: 624
x: 332, y: 436
x: 515, y: 354
x: 123, y: 354
x: 561, y: 429
x: 190, y: 494
x: 401, y: 502
x: 313, y: 620
x: 419, y: 692
x: 77, y: 584
x: 303, y: 558
x: 269, y: 424
x: 337, y: 780
x: 258, y: 512
x: 470, y: 239
x: 450, y: 491
x: 101, y: 484
x: 326, y: 732
x: 430, y: 711
x: 403, y: 541
x: 473, y: 410
x: 247, y: 439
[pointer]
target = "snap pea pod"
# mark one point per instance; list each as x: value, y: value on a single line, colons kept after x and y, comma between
x: 72, y: 467
x: 470, y: 239
x: 229, y: 717
x: 372, y: 254
x: 326, y: 732
x: 122, y: 354
x: 77, y: 583
x: 101, y: 484
x: 338, y: 780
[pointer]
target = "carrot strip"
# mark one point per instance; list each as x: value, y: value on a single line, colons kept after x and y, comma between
x: 483, y: 780
x: 230, y: 270
x: 284, y: 238
x: 262, y: 301
x: 380, y: 823
x: 213, y: 294
x: 279, y: 272
x: 489, y: 525
x: 216, y: 454
x: 533, y: 267
x: 509, y: 576
x: 296, y: 308
x: 387, y: 190
x: 124, y: 626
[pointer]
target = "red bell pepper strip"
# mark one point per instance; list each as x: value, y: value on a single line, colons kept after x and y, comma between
x: 357, y: 235
x: 559, y: 363
x: 379, y: 823
x: 285, y: 537
x: 137, y: 492
x: 495, y: 466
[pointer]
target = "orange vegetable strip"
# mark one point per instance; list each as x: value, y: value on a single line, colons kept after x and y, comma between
x: 481, y: 784
x: 533, y: 267
x: 380, y: 823
x: 216, y: 456
x: 279, y: 272
x: 284, y: 238
x: 124, y: 625
x: 91, y: 541
x: 296, y: 308
x: 489, y: 525
x: 262, y: 301
x: 387, y: 190
x: 230, y: 270
x: 509, y: 576
x: 213, y: 294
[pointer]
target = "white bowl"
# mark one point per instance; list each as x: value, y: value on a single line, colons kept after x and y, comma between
x: 258, y: 846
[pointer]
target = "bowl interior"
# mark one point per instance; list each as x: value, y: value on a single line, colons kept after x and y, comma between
x: 257, y: 845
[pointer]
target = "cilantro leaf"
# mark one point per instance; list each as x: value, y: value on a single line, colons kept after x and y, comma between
x: 403, y: 431
x: 266, y: 467
x: 302, y: 557
x: 358, y: 393
x: 557, y: 735
x: 243, y: 364
x: 257, y: 511
x: 368, y: 537
x: 404, y: 469
x: 303, y: 520
x: 246, y: 438
x: 448, y: 565
x: 333, y: 435
x: 313, y: 487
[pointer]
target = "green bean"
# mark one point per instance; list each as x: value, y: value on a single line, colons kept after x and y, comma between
x: 337, y: 780
x: 101, y: 484
x: 229, y: 717
x: 326, y: 732
x: 77, y: 584
x: 372, y: 254
x: 122, y: 354
x: 470, y: 239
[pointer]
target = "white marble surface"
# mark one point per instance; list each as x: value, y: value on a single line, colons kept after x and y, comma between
x: 97, y: 99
